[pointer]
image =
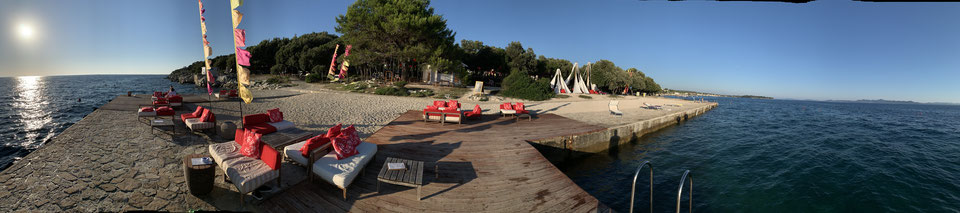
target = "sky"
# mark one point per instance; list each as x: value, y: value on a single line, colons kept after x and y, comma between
x: 840, y: 50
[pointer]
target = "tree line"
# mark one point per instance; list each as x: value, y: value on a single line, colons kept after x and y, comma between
x: 395, y: 40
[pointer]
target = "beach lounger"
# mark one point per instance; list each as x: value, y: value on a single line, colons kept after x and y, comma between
x: 221, y: 95
x: 207, y: 120
x: 615, y: 108
x: 260, y: 123
x: 246, y: 173
x: 175, y: 101
x: 452, y: 115
x: 195, y: 114
x: 507, y: 109
x: 146, y: 112
x: 323, y: 162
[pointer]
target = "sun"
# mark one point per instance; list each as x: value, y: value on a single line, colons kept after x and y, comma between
x: 26, y: 31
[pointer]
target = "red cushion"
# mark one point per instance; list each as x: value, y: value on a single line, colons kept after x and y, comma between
x: 159, y: 102
x: 431, y: 112
x: 270, y: 156
x: 176, y: 99
x: 251, y: 145
x: 518, y: 106
x: 146, y: 109
x: 452, y: 110
x: 256, y: 119
x: 507, y: 106
x: 157, y: 94
x: 275, y: 115
x: 439, y: 103
x: 452, y: 104
x: 334, y: 131
x: 261, y: 128
x: 223, y: 92
x: 205, y: 115
x: 164, y: 111
x: 313, y: 143
x: 345, y: 145
x: 476, y: 109
x: 238, y: 136
x: 198, y: 112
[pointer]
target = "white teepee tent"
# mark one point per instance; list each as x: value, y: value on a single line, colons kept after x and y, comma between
x: 558, y: 84
x: 579, y: 86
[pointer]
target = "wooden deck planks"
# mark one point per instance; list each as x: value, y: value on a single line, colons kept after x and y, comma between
x: 492, y: 169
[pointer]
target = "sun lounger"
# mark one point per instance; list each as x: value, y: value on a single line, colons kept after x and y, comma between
x: 207, y: 120
x: 507, y: 109
x: 615, y: 108
x: 260, y: 123
x: 475, y: 114
x: 246, y: 173
x: 323, y: 162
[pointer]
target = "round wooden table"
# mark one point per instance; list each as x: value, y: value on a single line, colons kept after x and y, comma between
x: 199, y: 177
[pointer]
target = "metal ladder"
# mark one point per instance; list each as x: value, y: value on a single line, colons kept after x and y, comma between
x: 686, y: 176
x: 634, y: 188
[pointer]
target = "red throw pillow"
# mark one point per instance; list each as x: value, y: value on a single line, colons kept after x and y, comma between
x: 507, y: 106
x: 158, y: 102
x: 251, y: 145
x: 198, y: 112
x: 334, y: 131
x: 351, y: 132
x: 344, y: 146
x: 313, y: 143
x: 146, y: 109
x: 205, y: 115
x: 477, y: 109
x: 275, y: 115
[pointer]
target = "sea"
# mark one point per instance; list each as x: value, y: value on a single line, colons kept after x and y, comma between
x: 34, y: 109
x: 750, y: 155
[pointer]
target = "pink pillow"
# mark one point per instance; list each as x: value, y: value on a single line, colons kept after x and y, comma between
x: 251, y: 145
x: 275, y: 115
x: 313, y: 143
x: 334, y: 131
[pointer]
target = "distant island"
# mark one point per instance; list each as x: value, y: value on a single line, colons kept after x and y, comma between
x: 694, y: 93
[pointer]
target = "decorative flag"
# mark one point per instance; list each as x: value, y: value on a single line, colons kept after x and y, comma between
x: 207, y: 51
x: 243, y: 75
x: 346, y: 64
x: 235, y: 3
x: 243, y: 57
x: 237, y: 16
x: 203, y: 27
x: 239, y: 37
x: 209, y: 81
x: 333, y: 61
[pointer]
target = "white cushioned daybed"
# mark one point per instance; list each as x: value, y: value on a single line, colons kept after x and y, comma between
x: 246, y: 173
x: 340, y: 173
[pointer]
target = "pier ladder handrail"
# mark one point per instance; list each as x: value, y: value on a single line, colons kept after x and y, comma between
x: 689, y: 190
x: 633, y: 189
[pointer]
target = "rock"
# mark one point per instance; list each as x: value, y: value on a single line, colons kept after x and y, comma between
x: 108, y: 187
x: 128, y: 185
x: 138, y: 200
x: 157, y: 204
x: 67, y: 176
x: 69, y: 202
x: 73, y: 189
x: 165, y: 194
x: 93, y: 194
x: 148, y: 192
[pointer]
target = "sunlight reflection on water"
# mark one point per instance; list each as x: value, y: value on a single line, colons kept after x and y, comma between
x: 30, y: 104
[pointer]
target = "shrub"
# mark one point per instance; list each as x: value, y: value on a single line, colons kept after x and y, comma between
x: 394, y: 91
x: 520, y: 85
x: 613, y: 96
x: 421, y: 93
x: 278, y: 80
x: 586, y: 97
x: 400, y: 84
x: 563, y: 96
x: 313, y: 78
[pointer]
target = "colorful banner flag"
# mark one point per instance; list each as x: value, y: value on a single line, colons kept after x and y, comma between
x: 209, y: 81
x: 237, y: 16
x: 333, y: 61
x: 243, y: 75
x: 235, y: 3
x: 346, y: 64
x: 239, y: 38
x: 207, y: 51
x: 243, y: 57
x: 245, y: 94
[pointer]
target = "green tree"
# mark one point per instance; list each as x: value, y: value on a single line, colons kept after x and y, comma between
x: 520, y: 59
x: 388, y: 31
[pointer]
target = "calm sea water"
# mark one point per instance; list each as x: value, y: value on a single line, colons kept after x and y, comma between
x: 35, y: 109
x: 791, y: 156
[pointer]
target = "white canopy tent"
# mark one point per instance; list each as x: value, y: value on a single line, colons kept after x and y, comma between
x: 579, y: 86
x: 558, y: 85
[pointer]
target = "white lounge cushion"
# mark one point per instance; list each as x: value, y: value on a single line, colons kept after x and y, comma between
x: 248, y: 173
x: 508, y: 111
x: 452, y: 119
x: 342, y: 172
x: 282, y: 125
x: 224, y: 151
x: 292, y: 152
x: 195, y: 124
x: 176, y: 104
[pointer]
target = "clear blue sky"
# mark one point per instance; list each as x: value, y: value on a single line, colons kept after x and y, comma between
x: 818, y: 50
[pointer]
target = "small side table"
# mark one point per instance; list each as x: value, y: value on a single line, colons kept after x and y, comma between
x: 160, y: 123
x: 518, y: 117
x: 412, y: 176
x: 199, y: 177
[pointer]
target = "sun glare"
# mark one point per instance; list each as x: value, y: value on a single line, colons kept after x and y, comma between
x: 26, y: 31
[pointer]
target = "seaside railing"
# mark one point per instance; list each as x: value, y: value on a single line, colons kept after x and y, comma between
x: 634, y: 188
x: 686, y: 174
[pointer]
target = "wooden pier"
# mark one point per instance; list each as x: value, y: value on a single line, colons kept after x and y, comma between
x: 483, y: 165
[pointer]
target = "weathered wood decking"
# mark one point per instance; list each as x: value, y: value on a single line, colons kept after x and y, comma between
x: 484, y: 166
